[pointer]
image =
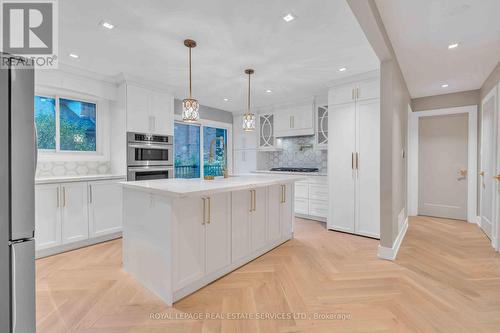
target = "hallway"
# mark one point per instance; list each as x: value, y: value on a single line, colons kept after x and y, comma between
x: 446, y: 279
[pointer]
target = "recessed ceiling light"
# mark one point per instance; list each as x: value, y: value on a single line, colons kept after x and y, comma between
x: 342, y: 69
x: 226, y: 99
x: 289, y: 17
x: 444, y: 85
x: 269, y: 91
x: 74, y: 55
x: 107, y: 25
x: 452, y: 46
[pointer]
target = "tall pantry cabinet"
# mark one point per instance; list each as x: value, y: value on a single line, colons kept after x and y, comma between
x: 354, y: 157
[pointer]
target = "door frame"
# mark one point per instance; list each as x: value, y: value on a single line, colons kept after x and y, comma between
x: 495, y: 227
x: 413, y: 139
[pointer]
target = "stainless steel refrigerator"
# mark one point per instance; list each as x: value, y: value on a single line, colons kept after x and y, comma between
x: 17, y: 199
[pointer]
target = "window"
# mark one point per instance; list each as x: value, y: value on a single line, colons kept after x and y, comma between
x: 214, y: 151
x: 65, y: 125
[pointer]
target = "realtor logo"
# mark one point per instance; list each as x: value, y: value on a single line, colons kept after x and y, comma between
x: 29, y: 29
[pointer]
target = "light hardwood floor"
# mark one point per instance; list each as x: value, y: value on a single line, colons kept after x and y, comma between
x: 446, y: 279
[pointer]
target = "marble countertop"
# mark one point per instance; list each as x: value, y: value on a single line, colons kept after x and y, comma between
x: 197, y: 187
x: 77, y: 178
x: 292, y: 173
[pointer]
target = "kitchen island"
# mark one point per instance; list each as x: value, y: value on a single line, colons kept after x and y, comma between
x: 181, y: 234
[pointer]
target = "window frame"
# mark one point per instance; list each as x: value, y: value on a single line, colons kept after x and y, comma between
x: 57, y: 153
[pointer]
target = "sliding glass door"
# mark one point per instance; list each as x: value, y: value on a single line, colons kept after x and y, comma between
x: 214, y: 151
x: 200, y: 150
x: 187, y: 150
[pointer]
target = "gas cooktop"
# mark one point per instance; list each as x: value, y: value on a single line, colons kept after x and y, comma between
x: 287, y: 169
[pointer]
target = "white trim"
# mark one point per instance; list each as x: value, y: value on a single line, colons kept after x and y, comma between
x: 472, y: 157
x: 390, y: 253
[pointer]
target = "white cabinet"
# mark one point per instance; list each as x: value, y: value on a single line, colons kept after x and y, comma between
x: 321, y: 135
x: 274, y: 216
x: 149, y: 111
x: 75, y: 213
x: 202, y: 245
x: 347, y: 93
x: 218, y: 232
x: 245, y: 161
x: 240, y: 231
x: 75, y: 225
x: 266, y: 132
x: 294, y: 120
x: 286, y: 209
x: 354, y: 160
x: 105, y: 208
x: 258, y: 218
x: 47, y: 216
x: 311, y: 198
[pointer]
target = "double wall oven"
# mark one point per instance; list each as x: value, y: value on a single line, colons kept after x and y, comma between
x: 149, y: 156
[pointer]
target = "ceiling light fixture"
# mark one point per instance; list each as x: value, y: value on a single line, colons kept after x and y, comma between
x: 226, y: 99
x: 74, y: 56
x: 249, y: 117
x: 107, y: 25
x: 269, y: 91
x: 289, y: 17
x: 190, y: 105
x: 452, y: 46
x: 444, y: 85
x: 342, y: 69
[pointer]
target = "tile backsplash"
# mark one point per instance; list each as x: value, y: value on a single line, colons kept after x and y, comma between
x: 80, y: 168
x: 292, y: 156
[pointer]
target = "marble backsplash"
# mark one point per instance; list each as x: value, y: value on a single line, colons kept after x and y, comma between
x: 80, y: 168
x: 293, y: 156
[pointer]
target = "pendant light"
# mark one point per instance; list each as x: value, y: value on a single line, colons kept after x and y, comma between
x: 249, y: 117
x: 190, y: 105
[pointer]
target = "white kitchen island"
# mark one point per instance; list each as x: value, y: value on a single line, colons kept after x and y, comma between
x: 181, y: 234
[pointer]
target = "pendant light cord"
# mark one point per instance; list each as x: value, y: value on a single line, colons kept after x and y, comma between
x: 190, y: 85
x: 248, y: 111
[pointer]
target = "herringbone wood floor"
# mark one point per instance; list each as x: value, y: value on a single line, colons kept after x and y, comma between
x: 446, y: 279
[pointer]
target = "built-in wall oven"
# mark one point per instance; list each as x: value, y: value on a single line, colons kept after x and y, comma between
x: 149, y: 156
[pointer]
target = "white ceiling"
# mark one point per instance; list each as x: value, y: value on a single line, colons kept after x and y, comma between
x: 295, y: 60
x: 421, y: 30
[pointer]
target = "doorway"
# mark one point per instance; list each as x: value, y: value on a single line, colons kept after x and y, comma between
x: 442, y: 166
x: 442, y: 157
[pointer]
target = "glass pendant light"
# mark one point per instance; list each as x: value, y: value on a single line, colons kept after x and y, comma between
x: 249, y: 117
x: 190, y: 105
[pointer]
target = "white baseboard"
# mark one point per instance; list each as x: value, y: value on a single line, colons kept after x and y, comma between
x: 390, y: 253
x: 478, y: 221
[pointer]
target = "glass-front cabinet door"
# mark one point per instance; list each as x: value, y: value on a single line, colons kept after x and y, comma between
x: 322, y: 127
x: 214, y: 151
x: 266, y: 131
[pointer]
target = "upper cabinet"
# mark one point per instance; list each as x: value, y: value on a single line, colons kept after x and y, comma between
x: 266, y: 131
x: 321, y: 127
x: 243, y: 140
x: 294, y: 120
x: 149, y: 111
x: 347, y: 93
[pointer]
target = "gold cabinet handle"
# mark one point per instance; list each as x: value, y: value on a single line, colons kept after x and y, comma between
x: 209, y: 210
x: 204, y: 210
x: 58, y: 195
x: 481, y: 173
x: 254, y: 200
x: 64, y: 196
x: 497, y: 177
x: 91, y: 199
x: 352, y: 161
x: 462, y: 173
x: 251, y: 201
x: 284, y: 193
x: 357, y: 161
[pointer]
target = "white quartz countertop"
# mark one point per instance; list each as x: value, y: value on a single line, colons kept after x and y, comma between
x: 77, y: 178
x: 198, y: 187
x: 292, y: 173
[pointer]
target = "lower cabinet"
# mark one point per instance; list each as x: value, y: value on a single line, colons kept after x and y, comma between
x: 74, y: 199
x: 71, y: 212
x: 203, y: 242
x: 105, y: 208
x: 311, y: 198
x: 47, y: 216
